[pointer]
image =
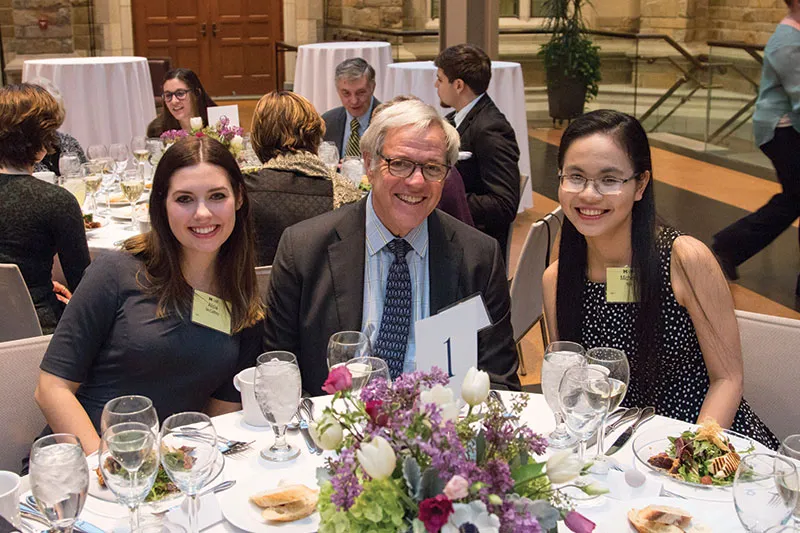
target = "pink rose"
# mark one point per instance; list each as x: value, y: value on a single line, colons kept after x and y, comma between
x: 339, y: 379
x: 578, y: 523
x: 457, y: 488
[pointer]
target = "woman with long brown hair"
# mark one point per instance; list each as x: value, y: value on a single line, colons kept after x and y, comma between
x: 174, y: 315
x: 184, y: 98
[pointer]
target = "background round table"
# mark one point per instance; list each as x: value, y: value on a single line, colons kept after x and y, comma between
x: 107, y: 99
x: 507, y: 89
x: 316, y: 64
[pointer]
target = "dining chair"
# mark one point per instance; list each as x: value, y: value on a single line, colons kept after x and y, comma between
x: 263, y: 273
x: 18, y: 319
x: 771, y: 369
x: 526, y: 285
x: 20, y: 417
x: 523, y: 181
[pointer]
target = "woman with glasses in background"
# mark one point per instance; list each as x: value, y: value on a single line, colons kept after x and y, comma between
x: 184, y: 98
x: 626, y: 282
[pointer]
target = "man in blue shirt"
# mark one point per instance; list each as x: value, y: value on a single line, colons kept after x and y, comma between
x: 383, y: 263
x: 355, y: 83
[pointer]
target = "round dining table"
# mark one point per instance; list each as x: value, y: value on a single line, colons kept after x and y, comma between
x: 107, y: 99
x: 507, y: 90
x: 219, y: 512
x: 316, y: 65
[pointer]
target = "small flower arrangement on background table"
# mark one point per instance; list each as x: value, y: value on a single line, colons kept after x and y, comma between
x: 230, y: 136
x: 407, y: 461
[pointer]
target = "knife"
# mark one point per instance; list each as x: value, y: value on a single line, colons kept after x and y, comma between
x: 303, y: 426
x: 33, y: 513
x: 646, y: 414
x: 627, y: 416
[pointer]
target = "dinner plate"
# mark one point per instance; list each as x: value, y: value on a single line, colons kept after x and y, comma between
x: 103, y: 223
x: 124, y: 212
x: 238, y: 510
x: 117, y: 200
x: 706, y: 517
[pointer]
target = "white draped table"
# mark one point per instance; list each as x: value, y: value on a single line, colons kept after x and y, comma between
x: 250, y: 471
x: 107, y: 99
x: 316, y: 64
x: 507, y: 89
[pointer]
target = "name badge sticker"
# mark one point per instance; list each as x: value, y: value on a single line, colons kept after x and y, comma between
x: 211, y: 312
x: 619, y: 285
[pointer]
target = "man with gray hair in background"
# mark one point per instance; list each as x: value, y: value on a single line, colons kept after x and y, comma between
x: 355, y: 84
x: 391, y: 259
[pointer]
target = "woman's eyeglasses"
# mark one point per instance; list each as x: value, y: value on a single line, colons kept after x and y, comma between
x: 607, y: 186
x: 180, y: 94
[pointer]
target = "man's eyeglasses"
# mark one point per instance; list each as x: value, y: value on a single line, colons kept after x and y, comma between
x: 403, y: 168
x: 607, y: 186
x: 180, y: 94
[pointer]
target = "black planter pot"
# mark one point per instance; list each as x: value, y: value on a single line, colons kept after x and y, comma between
x: 565, y: 96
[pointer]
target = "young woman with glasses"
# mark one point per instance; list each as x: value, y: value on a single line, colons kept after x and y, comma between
x: 623, y: 281
x: 184, y: 98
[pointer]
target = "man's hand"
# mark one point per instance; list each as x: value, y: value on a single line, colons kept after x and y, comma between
x: 62, y: 293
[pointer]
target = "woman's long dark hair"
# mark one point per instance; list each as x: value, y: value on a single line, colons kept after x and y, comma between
x: 572, y: 261
x: 161, y: 251
x: 201, y: 98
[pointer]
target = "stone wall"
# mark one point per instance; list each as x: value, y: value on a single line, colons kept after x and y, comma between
x: 29, y: 38
x: 751, y: 21
x: 374, y: 14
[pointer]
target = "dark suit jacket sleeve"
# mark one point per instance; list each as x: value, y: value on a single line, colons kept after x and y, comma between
x: 281, y: 327
x: 498, y: 166
x: 496, y: 351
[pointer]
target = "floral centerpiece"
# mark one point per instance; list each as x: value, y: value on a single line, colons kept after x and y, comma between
x: 407, y: 461
x: 223, y: 131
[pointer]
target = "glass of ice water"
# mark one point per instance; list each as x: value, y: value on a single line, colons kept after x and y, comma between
x: 346, y: 345
x: 558, y: 357
x: 329, y: 154
x: 278, y: 388
x: 764, y: 491
x: 584, y: 396
x: 59, y: 477
x: 129, y: 463
x: 614, y: 363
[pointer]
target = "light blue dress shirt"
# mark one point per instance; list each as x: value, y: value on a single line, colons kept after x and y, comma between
x: 779, y: 92
x: 363, y: 123
x: 461, y: 115
x: 378, y: 259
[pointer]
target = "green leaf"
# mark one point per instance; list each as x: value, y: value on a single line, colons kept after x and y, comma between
x: 412, y: 474
x: 432, y: 485
x: 480, y: 448
x: 526, y: 473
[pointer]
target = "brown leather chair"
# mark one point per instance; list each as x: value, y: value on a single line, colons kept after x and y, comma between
x: 159, y: 66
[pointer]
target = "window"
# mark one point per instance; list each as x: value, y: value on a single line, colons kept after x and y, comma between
x: 508, y: 8
x: 513, y: 13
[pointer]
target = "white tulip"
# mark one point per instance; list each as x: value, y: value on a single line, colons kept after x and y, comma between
x: 196, y: 123
x: 377, y: 458
x: 331, y: 437
x: 237, y: 142
x: 563, y: 466
x: 475, y: 388
x: 442, y: 397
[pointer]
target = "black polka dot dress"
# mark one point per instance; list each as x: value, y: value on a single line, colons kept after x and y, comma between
x: 678, y: 386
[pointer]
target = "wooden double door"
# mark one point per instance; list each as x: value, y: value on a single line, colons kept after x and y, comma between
x: 230, y: 44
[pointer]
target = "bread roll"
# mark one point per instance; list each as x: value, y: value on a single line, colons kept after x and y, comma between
x: 291, y: 511
x: 282, y: 495
x: 659, y: 519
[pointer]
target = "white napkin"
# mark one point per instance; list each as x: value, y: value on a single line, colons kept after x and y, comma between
x: 209, y: 514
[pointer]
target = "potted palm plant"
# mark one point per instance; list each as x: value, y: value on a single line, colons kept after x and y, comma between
x: 571, y: 61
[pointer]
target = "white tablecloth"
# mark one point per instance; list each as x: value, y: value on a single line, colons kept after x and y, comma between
x: 507, y: 89
x: 107, y: 99
x: 316, y: 64
x: 537, y: 415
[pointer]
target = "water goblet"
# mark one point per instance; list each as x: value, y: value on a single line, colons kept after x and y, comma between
x: 97, y: 151
x: 69, y: 165
x: 132, y: 184
x: 764, y: 491
x: 365, y: 370
x: 76, y: 187
x: 188, y: 453
x: 584, y: 395
x: 353, y: 169
x: 59, y: 477
x: 790, y: 447
x: 346, y: 345
x: 278, y: 388
x: 558, y: 357
x: 131, y: 408
x: 129, y: 463
x: 92, y: 178
x: 119, y: 153
x: 614, y: 363
x: 329, y: 154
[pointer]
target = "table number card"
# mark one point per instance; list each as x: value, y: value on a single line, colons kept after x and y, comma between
x: 230, y: 111
x: 449, y: 339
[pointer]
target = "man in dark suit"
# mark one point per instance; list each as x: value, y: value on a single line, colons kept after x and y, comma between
x: 383, y: 263
x: 355, y: 83
x: 491, y: 172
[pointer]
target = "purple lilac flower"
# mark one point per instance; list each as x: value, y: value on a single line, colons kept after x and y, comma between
x: 513, y: 521
x: 346, y: 486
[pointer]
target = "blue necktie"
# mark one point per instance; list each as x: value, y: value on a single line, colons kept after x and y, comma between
x: 396, y: 320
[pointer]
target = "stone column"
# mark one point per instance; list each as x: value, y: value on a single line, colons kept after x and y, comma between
x: 470, y: 21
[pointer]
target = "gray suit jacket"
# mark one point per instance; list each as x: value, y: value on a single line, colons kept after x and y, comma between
x: 335, y: 124
x: 317, y: 288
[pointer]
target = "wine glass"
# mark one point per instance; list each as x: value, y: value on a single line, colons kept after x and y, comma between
x: 329, y: 154
x: 76, y: 186
x: 132, y: 184
x: 129, y: 409
x: 128, y: 457
x: 156, y: 149
x: 69, y: 165
x: 790, y: 447
x: 558, y: 357
x: 764, y: 491
x: 92, y: 177
x: 188, y: 453
x: 139, y: 149
x: 346, y: 345
x: 119, y: 153
x: 614, y: 363
x: 365, y: 370
x: 97, y: 151
x: 59, y: 477
x: 584, y: 395
x: 278, y: 388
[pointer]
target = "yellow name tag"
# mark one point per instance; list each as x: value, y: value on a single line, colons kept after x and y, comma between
x: 619, y: 285
x: 211, y: 312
